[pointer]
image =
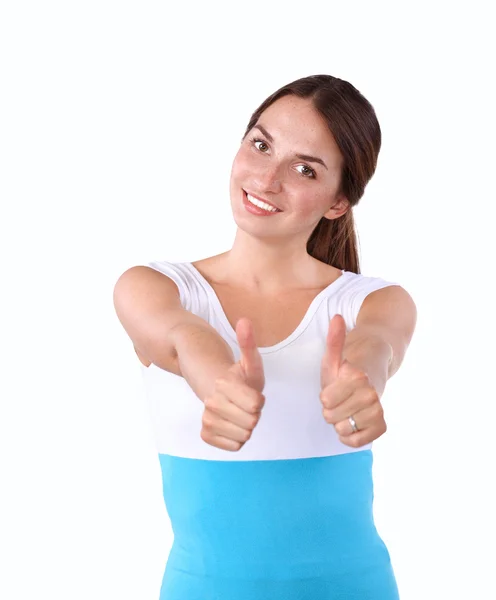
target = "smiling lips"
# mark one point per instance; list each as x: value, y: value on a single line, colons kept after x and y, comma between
x: 261, y: 203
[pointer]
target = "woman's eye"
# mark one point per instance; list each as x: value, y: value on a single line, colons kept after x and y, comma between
x: 256, y: 141
x: 311, y: 172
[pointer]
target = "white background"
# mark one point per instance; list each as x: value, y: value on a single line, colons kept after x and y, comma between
x: 119, y: 123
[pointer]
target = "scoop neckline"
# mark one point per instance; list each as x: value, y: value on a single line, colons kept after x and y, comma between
x: 217, y: 306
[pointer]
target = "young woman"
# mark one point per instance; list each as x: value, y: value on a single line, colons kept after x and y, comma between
x: 265, y: 366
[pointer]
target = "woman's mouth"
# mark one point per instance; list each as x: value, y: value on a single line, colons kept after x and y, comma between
x: 257, y: 206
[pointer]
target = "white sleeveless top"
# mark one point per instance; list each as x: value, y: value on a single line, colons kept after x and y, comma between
x: 292, y: 376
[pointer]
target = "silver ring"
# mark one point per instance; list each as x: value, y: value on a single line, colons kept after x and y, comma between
x: 353, y: 424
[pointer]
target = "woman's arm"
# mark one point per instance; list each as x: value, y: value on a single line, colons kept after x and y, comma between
x: 148, y: 306
x: 202, y: 355
x: 385, y: 326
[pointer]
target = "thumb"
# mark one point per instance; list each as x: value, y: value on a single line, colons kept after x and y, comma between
x: 336, y: 336
x: 250, y: 360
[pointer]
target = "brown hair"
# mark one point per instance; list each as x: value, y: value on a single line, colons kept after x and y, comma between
x: 353, y: 123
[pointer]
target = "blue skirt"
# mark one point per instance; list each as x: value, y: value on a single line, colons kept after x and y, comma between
x: 299, y: 529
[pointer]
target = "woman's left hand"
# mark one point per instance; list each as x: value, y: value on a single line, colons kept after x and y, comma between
x: 346, y: 391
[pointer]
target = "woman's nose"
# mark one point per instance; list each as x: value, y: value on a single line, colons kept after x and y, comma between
x: 268, y: 179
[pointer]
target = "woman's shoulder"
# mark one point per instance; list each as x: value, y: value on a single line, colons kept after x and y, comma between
x: 210, y: 267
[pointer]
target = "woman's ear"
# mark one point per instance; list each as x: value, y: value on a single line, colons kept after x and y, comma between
x: 338, y: 209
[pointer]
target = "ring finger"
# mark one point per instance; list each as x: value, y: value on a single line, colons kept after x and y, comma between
x: 363, y: 418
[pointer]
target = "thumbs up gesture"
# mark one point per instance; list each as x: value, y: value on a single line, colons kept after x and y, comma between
x: 250, y: 365
x: 349, y: 400
x: 234, y: 407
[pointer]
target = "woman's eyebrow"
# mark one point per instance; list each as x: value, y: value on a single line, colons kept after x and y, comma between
x: 302, y: 156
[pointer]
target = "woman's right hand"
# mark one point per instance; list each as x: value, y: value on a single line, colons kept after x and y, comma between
x: 234, y: 407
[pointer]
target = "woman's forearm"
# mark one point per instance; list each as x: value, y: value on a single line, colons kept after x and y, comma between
x: 371, y: 354
x: 202, y: 356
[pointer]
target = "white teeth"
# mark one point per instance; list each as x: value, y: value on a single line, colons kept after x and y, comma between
x: 261, y: 204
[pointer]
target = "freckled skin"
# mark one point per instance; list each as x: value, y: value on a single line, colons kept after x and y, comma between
x: 271, y: 170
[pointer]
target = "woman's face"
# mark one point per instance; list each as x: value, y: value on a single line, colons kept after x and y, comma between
x: 267, y: 165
